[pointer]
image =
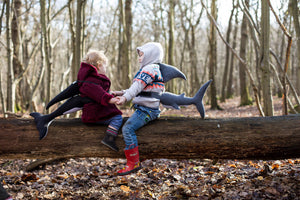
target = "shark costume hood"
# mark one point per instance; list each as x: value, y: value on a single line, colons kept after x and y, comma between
x: 153, y: 53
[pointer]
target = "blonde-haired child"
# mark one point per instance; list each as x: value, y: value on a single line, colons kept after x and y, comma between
x: 95, y: 58
x: 98, y: 106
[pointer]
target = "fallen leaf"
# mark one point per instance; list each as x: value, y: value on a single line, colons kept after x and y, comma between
x: 125, y: 188
x: 232, y: 165
x: 275, y: 166
x: 260, y: 178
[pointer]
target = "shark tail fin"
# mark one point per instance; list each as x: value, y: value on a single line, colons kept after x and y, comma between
x: 198, y: 98
x: 70, y: 91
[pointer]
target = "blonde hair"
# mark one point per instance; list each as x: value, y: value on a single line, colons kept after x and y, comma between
x: 94, y: 57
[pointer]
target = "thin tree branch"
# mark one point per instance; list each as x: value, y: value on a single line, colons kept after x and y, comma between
x: 287, y: 57
x: 287, y: 78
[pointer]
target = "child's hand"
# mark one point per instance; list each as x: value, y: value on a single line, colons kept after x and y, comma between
x: 117, y: 93
x: 113, y: 100
x: 121, y: 100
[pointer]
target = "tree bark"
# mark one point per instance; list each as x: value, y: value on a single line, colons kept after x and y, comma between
x: 171, y: 48
x: 229, y: 90
x: 227, y: 55
x: 10, y: 73
x: 78, y: 37
x: 195, y: 82
x: 213, y: 57
x: 244, y: 92
x: 45, y: 12
x: 72, y: 39
x: 295, y: 13
x: 265, y: 59
x: 125, y: 35
x: 16, y: 36
x: 172, y: 137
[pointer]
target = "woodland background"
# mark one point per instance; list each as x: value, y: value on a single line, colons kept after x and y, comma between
x: 43, y: 42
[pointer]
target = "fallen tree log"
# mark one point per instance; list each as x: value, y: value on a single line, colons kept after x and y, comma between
x: 169, y: 137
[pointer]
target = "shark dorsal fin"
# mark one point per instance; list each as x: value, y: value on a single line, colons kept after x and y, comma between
x: 169, y: 72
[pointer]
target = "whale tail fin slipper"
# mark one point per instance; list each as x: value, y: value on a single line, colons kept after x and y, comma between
x: 42, y: 124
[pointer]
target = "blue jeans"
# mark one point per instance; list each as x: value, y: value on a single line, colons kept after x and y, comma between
x: 115, y: 122
x: 139, y: 118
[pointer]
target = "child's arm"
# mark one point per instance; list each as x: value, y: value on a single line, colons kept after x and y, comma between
x: 117, y: 93
x: 145, y: 77
x: 113, y: 100
x: 95, y: 92
x: 121, y: 100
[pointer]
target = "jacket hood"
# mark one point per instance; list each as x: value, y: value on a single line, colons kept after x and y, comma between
x: 87, y: 70
x: 153, y: 53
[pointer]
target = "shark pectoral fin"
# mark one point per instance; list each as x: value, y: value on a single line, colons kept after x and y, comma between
x: 171, y: 106
x: 169, y: 72
x: 176, y: 106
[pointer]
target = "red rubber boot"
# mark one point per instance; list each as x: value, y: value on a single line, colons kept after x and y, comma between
x: 133, y: 162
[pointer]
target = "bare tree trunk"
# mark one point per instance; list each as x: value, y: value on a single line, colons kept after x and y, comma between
x: 73, y: 40
x: 189, y: 28
x: 193, y: 54
x: 195, y: 82
x: 16, y: 35
x: 293, y: 6
x: 120, y: 45
x: 83, y: 27
x: 127, y: 43
x: 156, y: 20
x: 244, y: 92
x: 10, y: 73
x: 229, y: 92
x: 47, y: 48
x: 213, y: 57
x: 125, y: 31
x: 2, y: 14
x: 162, y: 16
x: 227, y: 57
x: 265, y: 61
x: 171, y: 22
x: 186, y: 28
x: 281, y: 53
x: 39, y: 76
x: 2, y: 96
x: 78, y: 35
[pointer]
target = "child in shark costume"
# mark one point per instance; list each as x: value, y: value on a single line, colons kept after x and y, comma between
x: 146, y: 93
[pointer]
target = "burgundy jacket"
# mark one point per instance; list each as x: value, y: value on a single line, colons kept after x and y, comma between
x: 96, y: 87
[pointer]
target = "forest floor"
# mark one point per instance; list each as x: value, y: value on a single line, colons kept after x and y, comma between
x: 94, y: 178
